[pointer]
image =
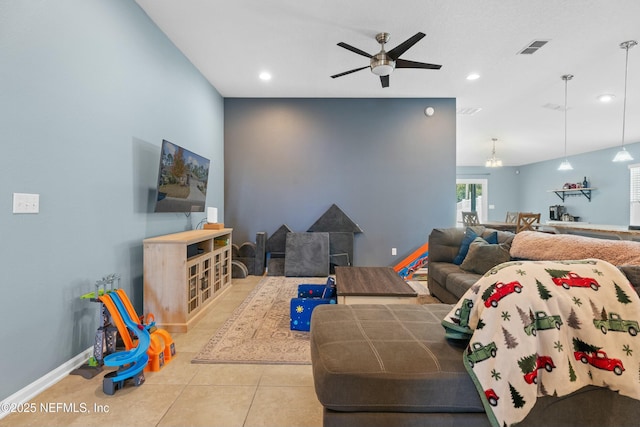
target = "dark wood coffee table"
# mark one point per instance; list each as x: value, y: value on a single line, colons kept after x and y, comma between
x: 372, y: 285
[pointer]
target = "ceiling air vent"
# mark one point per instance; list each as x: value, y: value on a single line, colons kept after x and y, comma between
x: 467, y: 111
x: 555, y: 107
x: 533, y: 47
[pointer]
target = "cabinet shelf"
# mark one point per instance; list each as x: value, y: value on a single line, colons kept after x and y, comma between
x: 586, y: 192
x: 184, y: 273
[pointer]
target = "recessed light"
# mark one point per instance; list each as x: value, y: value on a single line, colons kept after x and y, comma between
x: 606, y: 97
x: 473, y: 76
x: 265, y: 76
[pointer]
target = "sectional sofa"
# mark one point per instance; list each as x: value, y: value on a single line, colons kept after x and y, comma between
x: 382, y: 365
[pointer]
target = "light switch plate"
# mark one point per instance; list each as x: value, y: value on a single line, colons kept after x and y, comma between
x: 26, y: 203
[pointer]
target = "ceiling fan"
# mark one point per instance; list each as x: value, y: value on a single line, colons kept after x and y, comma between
x: 383, y: 63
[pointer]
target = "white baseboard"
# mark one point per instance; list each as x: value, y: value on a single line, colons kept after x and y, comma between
x: 43, y: 383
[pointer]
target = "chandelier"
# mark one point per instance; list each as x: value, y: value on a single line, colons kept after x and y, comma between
x: 493, y: 161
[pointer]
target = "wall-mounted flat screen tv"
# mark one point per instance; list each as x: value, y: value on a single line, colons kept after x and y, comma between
x: 182, y: 180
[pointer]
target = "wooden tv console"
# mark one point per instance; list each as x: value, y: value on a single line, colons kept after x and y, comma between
x: 183, y: 273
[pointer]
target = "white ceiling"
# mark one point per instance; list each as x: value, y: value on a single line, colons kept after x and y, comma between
x: 231, y: 42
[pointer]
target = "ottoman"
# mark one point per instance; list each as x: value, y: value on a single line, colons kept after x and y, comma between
x: 382, y: 365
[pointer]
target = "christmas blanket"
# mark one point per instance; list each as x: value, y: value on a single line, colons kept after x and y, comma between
x: 538, y: 328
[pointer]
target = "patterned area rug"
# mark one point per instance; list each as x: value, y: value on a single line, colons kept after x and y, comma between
x: 258, y: 330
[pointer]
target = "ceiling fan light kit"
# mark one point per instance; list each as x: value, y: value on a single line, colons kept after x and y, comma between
x: 623, y: 155
x: 383, y: 63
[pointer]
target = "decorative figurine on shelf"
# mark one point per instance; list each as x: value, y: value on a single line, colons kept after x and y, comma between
x: 585, y: 183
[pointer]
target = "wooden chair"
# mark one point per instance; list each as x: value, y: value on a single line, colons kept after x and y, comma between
x: 470, y: 218
x: 527, y: 221
x: 512, y: 218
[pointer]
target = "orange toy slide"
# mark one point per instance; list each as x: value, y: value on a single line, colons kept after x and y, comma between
x: 413, y: 262
x: 119, y: 322
x: 161, y: 340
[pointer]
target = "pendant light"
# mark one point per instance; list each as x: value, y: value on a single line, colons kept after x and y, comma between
x: 623, y: 155
x: 565, y: 165
x: 493, y: 162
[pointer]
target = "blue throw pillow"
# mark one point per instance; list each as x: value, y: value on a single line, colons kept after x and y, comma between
x: 492, y: 238
x: 469, y: 236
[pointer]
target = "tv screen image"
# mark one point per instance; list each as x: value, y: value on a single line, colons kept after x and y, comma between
x: 182, y: 180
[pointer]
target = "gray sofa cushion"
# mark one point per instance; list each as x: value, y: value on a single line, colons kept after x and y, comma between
x: 444, y: 243
x: 458, y: 283
x: 390, y: 358
x: 448, y: 281
x: 483, y: 256
x: 439, y: 271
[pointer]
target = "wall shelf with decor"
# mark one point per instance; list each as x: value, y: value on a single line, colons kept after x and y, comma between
x: 586, y: 192
x: 184, y: 273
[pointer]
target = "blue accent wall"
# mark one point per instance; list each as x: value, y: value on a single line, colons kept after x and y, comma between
x: 382, y: 161
x: 88, y: 90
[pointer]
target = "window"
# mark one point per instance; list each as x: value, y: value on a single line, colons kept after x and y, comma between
x: 472, y: 195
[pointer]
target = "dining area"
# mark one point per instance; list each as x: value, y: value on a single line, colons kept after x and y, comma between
x: 514, y: 222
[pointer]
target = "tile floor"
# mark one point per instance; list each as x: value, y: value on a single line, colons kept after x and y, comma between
x: 185, y: 394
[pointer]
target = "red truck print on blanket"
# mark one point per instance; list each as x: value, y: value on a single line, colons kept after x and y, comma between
x: 573, y: 280
x: 530, y: 366
x: 501, y: 290
x: 600, y: 360
x: 492, y: 397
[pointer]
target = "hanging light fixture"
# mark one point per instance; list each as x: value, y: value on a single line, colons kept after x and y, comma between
x: 565, y: 165
x: 493, y: 162
x: 623, y: 155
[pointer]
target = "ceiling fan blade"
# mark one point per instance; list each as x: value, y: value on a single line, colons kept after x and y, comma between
x: 385, y: 81
x: 404, y: 46
x: 354, y: 49
x: 403, y: 63
x: 348, y: 72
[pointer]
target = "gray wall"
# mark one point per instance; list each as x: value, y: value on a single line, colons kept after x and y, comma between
x: 88, y: 90
x: 381, y: 160
x: 526, y: 188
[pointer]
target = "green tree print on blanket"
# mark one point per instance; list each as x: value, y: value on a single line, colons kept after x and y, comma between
x: 487, y: 292
x: 572, y: 373
x: 528, y: 363
x: 516, y: 397
x: 622, y: 296
x: 509, y: 340
x: 543, y: 291
x: 557, y: 273
x: 573, y: 320
x: 579, y: 345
